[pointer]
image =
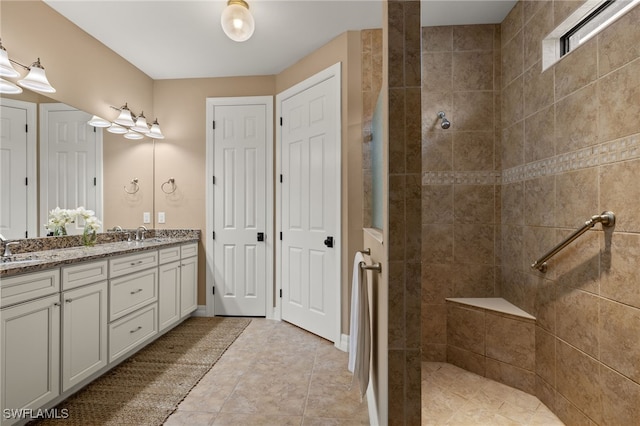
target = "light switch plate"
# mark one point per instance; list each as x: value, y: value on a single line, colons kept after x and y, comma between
x: 146, y: 217
x: 161, y: 217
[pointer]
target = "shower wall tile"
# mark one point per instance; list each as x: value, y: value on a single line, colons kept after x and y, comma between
x: 619, y: 44
x: 512, y: 102
x: 432, y: 103
x: 437, y: 243
x: 545, y: 393
x: 397, y: 320
x: 474, y: 204
x: 618, y: 94
x: 473, y: 150
x: 545, y: 356
x: 468, y: 360
x: 620, y: 399
x: 539, y: 136
x: 578, y: 307
x: 578, y: 265
x: 510, y: 341
x: 576, y: 197
x: 620, y: 193
x: 513, y: 59
x: 437, y: 284
x: 536, y: 242
x: 620, y: 347
x: 437, y: 151
x: 539, y: 201
x: 437, y: 39
x: 510, y: 375
x: 512, y: 145
x: 512, y: 242
x: 434, y: 324
x: 545, y: 303
x: 413, y: 132
x: 437, y: 204
x: 395, y: 20
x: 437, y: 71
x: 569, y: 413
x: 512, y: 23
x: 538, y: 89
x: 579, y: 380
x: 576, y: 70
x: 621, y: 269
x: 434, y: 352
x: 473, y: 37
x: 473, y: 244
x: 465, y: 329
x: 473, y: 280
x: 480, y: 117
x: 531, y: 7
x: 563, y: 8
x: 577, y: 120
x: 473, y: 70
x: 538, y: 24
x: 397, y: 147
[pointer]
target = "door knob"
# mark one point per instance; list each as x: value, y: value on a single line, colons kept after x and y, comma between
x: 329, y: 242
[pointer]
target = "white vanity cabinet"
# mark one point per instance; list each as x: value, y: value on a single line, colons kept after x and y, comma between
x: 133, y: 296
x: 30, y: 346
x: 84, y: 321
x: 178, y: 295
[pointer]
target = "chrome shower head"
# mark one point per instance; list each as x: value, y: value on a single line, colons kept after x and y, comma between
x: 445, y: 124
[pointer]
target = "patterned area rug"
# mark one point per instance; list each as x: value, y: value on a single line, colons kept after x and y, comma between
x: 147, y: 388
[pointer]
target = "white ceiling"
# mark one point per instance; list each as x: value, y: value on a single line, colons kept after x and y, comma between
x: 183, y: 39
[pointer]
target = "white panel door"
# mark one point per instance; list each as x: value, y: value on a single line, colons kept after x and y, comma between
x: 70, y: 165
x: 310, y: 208
x: 240, y: 210
x: 13, y: 172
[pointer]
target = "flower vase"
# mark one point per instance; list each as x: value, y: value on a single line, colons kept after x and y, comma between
x: 60, y: 231
x: 89, y: 238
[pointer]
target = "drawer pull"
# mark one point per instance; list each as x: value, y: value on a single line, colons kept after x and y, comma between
x: 136, y: 263
x: 136, y: 291
x: 137, y: 329
x: 68, y: 300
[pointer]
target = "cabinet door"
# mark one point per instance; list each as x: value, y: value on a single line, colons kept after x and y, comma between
x: 84, y: 333
x: 188, y: 285
x: 30, y: 353
x: 169, y: 295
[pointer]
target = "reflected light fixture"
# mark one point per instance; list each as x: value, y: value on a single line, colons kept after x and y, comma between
x: 36, y: 79
x: 99, y: 122
x: 125, y: 118
x: 237, y: 22
x: 117, y: 129
x: 155, y: 132
x: 141, y: 124
x: 133, y: 135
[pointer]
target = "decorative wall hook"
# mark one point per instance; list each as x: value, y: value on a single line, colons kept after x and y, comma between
x: 136, y: 187
x: 171, y: 182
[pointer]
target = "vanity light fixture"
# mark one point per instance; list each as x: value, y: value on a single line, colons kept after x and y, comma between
x: 36, y: 79
x: 237, y: 22
x: 155, y: 132
x: 141, y: 124
x: 117, y: 129
x: 132, y: 126
x: 133, y: 135
x: 98, y: 122
x: 125, y: 118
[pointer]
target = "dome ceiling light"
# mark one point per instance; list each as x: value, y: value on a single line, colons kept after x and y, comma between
x: 237, y: 22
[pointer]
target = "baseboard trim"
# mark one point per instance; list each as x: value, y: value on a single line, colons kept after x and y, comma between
x: 201, y: 311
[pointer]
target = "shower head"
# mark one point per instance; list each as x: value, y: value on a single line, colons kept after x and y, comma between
x: 445, y: 124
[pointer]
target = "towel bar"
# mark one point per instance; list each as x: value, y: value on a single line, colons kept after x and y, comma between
x: 375, y: 267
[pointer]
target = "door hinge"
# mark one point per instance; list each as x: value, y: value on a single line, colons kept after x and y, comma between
x: 214, y: 180
x: 213, y: 290
x: 95, y: 181
x: 281, y: 236
x: 95, y: 130
x: 281, y: 178
x: 281, y: 121
x: 26, y: 234
x: 26, y: 181
x: 214, y: 124
x: 280, y: 293
x: 214, y: 235
x: 26, y: 128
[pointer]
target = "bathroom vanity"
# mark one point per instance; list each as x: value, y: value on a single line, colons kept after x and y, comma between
x: 69, y: 315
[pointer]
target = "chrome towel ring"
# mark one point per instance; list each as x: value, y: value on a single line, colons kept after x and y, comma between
x: 136, y: 187
x: 171, y: 182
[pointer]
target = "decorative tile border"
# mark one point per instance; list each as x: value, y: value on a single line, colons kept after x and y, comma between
x: 624, y: 149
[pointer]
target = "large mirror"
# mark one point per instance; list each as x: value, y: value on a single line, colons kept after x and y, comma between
x: 62, y: 161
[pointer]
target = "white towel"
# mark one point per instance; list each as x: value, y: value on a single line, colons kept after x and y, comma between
x: 360, y: 329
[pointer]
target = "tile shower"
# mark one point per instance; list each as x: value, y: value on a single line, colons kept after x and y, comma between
x: 530, y: 156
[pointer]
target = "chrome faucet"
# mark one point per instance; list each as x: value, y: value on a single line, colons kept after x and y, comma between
x: 6, y: 256
x: 140, y: 230
x: 117, y: 228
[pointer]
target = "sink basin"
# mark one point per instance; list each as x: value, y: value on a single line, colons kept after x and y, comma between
x: 20, y: 262
x: 150, y: 240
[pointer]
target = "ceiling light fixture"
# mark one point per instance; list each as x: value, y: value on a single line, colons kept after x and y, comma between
x: 237, y: 22
x: 36, y: 79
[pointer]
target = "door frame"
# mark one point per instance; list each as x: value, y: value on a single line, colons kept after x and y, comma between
x: 32, y: 161
x: 45, y: 109
x: 211, y: 103
x: 335, y: 72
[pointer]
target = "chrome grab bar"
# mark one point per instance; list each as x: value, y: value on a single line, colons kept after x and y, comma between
x: 606, y: 218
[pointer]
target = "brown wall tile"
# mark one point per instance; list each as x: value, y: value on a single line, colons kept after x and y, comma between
x: 510, y: 341
x: 576, y: 197
x: 538, y: 89
x: 545, y: 358
x: 437, y: 71
x: 577, y: 322
x: 473, y: 244
x: 577, y: 120
x: 473, y: 151
x: 620, y: 193
x: 468, y: 360
x: 474, y: 204
x: 473, y: 111
x: 512, y: 145
x: 577, y: 69
x: 539, y: 136
x: 473, y: 37
x: 473, y: 70
x: 465, y: 329
x: 513, y: 102
x: 618, y: 45
x: 620, y: 348
x: 538, y: 24
x: 437, y: 39
x: 513, y: 59
x: 620, y: 399
x: 618, y: 94
x: 539, y: 205
x: 620, y: 271
x: 510, y: 375
x: 437, y: 204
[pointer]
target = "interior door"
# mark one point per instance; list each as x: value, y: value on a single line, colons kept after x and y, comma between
x: 311, y: 208
x: 69, y: 163
x: 240, y: 210
x: 13, y: 172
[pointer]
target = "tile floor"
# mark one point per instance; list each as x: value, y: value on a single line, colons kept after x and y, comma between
x: 275, y: 374
x: 453, y: 396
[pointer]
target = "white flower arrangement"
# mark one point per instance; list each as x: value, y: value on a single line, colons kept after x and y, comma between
x: 60, y: 218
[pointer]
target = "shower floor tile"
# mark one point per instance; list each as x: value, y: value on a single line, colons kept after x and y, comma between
x: 453, y: 396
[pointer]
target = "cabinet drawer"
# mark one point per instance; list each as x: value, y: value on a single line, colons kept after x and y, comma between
x: 126, y: 294
x: 25, y: 287
x: 132, y: 330
x: 169, y: 254
x: 86, y: 273
x: 132, y: 263
x: 189, y: 250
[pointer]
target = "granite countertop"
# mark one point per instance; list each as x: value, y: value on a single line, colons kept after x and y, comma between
x: 34, y: 261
